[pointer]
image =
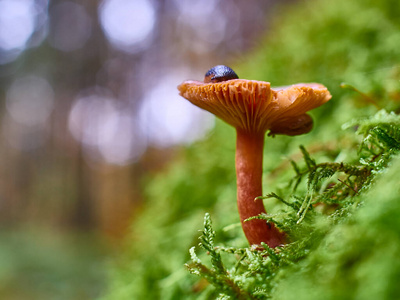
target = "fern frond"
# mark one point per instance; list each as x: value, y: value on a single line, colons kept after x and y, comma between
x: 207, y: 242
x: 307, y: 158
x: 275, y: 196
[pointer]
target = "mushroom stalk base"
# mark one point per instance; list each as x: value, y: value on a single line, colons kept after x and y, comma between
x: 249, y: 163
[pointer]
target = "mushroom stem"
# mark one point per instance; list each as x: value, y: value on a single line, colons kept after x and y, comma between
x: 249, y: 162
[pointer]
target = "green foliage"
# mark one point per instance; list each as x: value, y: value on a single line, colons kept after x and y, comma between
x: 254, y: 274
x: 336, y: 197
x: 217, y: 276
x: 357, y: 259
x: 381, y: 132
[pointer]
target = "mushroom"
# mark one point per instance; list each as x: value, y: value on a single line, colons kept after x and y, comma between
x: 252, y: 108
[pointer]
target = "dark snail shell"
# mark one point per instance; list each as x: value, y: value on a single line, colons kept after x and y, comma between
x: 219, y: 73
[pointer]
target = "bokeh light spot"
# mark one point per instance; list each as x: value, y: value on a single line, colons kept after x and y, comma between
x: 127, y: 24
x: 105, y: 130
x: 168, y: 119
x: 202, y: 30
x: 17, y: 23
x: 30, y: 100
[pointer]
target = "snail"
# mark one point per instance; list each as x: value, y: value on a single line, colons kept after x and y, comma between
x: 219, y: 73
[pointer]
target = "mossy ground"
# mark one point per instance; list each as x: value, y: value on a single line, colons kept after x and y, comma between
x: 347, y: 244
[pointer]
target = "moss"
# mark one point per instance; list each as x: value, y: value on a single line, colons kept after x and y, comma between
x: 357, y: 259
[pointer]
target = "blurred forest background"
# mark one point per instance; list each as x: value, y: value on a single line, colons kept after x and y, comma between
x: 90, y: 111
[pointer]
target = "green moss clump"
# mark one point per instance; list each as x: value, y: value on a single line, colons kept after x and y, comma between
x: 357, y: 259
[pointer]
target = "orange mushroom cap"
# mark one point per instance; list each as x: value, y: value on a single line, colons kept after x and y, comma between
x: 256, y: 107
